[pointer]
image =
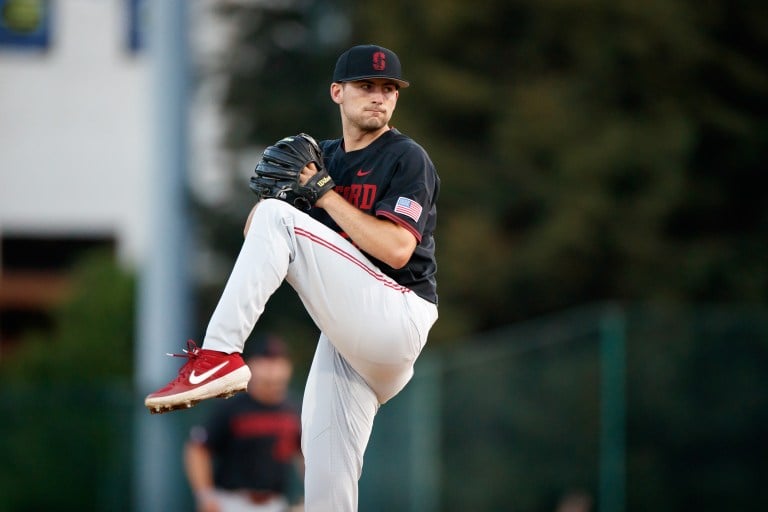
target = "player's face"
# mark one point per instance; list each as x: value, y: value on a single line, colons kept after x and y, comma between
x: 367, y: 104
x: 270, y: 377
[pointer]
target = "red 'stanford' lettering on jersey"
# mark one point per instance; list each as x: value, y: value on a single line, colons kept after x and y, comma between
x: 360, y: 195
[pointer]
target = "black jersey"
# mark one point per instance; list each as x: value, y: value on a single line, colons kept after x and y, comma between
x: 393, y: 178
x: 253, y: 444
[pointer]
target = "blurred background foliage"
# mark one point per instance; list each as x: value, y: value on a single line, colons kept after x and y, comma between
x: 93, y: 331
x: 588, y: 151
x: 65, y: 400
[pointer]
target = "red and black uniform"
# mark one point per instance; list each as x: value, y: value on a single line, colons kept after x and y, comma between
x: 393, y: 178
x: 253, y: 445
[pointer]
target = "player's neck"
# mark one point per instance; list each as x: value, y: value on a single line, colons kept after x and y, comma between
x: 355, y: 139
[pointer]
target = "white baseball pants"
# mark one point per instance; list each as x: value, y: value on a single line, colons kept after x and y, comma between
x: 373, y: 329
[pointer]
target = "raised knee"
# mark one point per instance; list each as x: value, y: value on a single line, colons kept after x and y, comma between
x: 265, y: 207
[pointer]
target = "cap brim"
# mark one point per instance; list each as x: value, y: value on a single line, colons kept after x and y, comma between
x: 401, y: 83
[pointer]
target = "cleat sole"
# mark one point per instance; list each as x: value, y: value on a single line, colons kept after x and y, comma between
x: 188, y: 404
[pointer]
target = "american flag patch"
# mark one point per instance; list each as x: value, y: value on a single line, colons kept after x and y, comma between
x: 408, y: 207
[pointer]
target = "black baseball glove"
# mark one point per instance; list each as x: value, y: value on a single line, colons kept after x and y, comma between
x: 277, y: 173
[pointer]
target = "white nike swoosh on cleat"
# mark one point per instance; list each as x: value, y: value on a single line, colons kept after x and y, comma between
x: 197, y: 379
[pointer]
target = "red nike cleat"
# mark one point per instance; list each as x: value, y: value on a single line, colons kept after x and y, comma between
x: 206, y: 374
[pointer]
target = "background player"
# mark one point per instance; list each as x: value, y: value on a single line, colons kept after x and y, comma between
x: 362, y: 262
x: 246, y: 456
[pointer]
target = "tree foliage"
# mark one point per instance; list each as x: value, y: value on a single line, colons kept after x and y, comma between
x: 588, y: 150
x: 93, y: 331
x: 597, y: 150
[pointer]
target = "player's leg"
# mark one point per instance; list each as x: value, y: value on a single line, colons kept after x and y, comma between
x: 337, y: 418
x: 217, y: 369
x: 258, y: 272
x: 378, y: 325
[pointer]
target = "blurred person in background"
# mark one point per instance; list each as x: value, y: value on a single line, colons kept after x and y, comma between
x: 575, y: 501
x: 246, y: 457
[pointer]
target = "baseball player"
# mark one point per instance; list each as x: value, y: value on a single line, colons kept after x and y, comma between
x: 243, y: 458
x: 349, y: 224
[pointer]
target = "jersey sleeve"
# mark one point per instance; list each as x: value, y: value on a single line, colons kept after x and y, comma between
x: 410, y: 196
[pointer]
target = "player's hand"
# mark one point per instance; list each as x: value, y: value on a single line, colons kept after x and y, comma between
x: 307, y: 172
x: 207, y: 502
x: 292, y: 170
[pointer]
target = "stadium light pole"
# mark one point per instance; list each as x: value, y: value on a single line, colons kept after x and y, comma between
x: 164, y: 288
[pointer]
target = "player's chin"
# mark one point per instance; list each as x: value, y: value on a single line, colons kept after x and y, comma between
x: 374, y: 123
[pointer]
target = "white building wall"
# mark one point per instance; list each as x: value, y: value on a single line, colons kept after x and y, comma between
x: 74, y: 154
x: 74, y: 129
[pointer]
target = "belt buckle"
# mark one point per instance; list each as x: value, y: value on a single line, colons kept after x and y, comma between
x: 259, y: 497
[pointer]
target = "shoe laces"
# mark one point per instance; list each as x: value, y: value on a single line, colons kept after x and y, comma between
x: 192, y: 353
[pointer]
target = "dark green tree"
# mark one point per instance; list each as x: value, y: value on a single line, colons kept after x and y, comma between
x: 93, y: 330
x: 588, y: 150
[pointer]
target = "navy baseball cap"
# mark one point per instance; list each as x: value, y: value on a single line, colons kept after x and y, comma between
x: 368, y: 61
x: 265, y: 345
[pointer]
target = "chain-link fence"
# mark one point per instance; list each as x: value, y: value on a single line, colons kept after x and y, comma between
x: 597, y: 409
x: 604, y: 408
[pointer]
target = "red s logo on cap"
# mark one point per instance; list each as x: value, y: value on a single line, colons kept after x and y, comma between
x: 379, y: 61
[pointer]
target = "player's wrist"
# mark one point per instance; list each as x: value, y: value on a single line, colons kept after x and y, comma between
x: 324, y: 199
x: 203, y: 495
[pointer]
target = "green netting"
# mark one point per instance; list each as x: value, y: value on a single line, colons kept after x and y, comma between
x: 513, y: 420
x: 527, y: 416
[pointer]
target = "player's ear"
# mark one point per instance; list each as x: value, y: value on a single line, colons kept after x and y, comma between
x: 337, y: 92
